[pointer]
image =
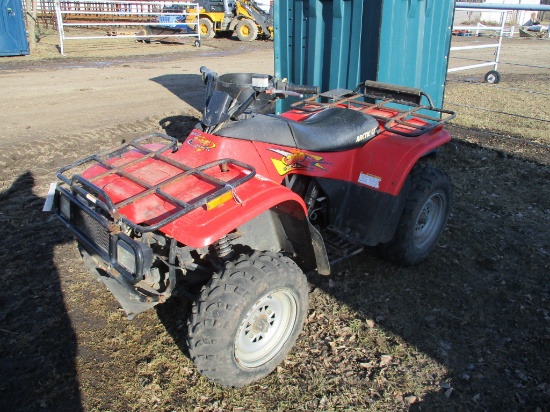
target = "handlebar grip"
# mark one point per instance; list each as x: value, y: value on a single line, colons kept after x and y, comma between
x: 302, y: 89
x: 207, y: 72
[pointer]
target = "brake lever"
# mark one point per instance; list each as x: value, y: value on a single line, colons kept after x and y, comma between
x: 283, y: 92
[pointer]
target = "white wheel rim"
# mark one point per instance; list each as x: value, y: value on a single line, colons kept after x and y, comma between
x: 266, y: 328
x: 429, y: 220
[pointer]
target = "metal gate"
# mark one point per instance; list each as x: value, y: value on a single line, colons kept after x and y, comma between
x: 176, y: 20
x: 13, y: 35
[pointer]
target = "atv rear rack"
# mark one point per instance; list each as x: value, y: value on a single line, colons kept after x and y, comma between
x: 78, y: 185
x: 398, y: 108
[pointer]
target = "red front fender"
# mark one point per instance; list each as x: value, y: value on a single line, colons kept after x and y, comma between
x: 203, y: 227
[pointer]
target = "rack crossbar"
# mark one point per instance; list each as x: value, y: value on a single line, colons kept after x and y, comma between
x: 85, y: 187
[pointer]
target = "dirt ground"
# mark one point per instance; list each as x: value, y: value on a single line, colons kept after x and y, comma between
x: 469, y: 329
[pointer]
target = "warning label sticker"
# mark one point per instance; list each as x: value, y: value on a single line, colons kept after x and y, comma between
x: 369, y: 180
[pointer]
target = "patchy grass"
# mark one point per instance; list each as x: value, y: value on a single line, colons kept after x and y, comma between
x: 509, y: 97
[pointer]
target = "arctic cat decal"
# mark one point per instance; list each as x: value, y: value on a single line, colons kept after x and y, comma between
x: 367, y: 135
x: 201, y: 143
x: 296, y: 161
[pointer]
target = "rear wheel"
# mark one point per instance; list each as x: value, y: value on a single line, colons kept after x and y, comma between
x: 206, y: 28
x: 248, y: 318
x: 424, y: 217
x: 141, y: 36
x: 247, y: 30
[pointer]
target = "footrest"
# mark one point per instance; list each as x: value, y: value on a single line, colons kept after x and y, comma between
x: 339, y: 246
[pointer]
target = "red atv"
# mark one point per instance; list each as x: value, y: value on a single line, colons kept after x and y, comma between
x: 249, y: 202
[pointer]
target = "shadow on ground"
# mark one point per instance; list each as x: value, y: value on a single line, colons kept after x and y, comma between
x: 480, y: 304
x: 188, y: 87
x: 38, y: 345
x: 178, y: 126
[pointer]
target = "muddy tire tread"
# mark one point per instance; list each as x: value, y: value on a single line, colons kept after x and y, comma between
x: 424, y: 180
x: 217, y: 313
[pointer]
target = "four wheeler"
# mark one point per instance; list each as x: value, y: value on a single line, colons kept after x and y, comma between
x: 248, y: 202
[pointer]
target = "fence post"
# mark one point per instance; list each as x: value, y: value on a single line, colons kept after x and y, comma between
x: 59, y: 18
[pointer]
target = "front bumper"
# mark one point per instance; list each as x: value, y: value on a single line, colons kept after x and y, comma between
x: 120, y: 261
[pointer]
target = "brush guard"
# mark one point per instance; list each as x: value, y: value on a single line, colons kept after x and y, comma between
x: 95, y: 219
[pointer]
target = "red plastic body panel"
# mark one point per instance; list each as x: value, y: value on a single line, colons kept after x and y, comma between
x: 382, y: 164
x: 385, y: 162
x: 200, y: 227
x: 203, y: 227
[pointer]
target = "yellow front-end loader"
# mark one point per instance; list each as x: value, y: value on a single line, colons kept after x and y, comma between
x: 245, y: 18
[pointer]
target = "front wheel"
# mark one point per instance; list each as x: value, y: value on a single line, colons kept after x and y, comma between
x: 248, y: 318
x: 424, y: 217
x: 247, y: 30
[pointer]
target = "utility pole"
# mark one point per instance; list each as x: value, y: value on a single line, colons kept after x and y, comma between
x: 31, y: 22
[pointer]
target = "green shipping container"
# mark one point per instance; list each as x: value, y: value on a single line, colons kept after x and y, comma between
x: 340, y: 43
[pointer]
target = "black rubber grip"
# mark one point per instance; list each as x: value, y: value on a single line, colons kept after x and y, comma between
x: 206, y: 72
x: 302, y: 89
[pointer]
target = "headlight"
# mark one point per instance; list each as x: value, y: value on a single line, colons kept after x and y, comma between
x: 65, y: 207
x: 126, y: 256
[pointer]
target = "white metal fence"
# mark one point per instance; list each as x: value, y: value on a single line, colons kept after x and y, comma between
x: 494, y: 8
x: 178, y: 20
x: 479, y: 28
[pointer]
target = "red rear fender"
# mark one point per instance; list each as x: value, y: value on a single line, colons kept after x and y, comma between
x: 386, y: 161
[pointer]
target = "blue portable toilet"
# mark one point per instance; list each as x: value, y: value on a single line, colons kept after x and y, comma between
x: 340, y: 43
x: 13, y: 33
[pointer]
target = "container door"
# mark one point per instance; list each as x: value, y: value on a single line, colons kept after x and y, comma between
x: 13, y: 36
x: 415, y: 43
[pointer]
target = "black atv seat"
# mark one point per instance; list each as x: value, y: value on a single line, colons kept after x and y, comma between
x: 331, y: 130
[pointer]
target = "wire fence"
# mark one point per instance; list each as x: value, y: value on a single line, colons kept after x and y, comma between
x: 506, y: 116
x: 514, y: 112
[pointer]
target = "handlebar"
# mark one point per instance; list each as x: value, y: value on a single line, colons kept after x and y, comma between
x: 302, y: 89
x: 208, y: 78
x: 232, y: 106
x: 206, y: 73
x: 284, y: 92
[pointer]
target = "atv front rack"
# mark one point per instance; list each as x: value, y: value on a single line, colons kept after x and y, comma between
x: 85, y: 187
x: 398, y: 108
